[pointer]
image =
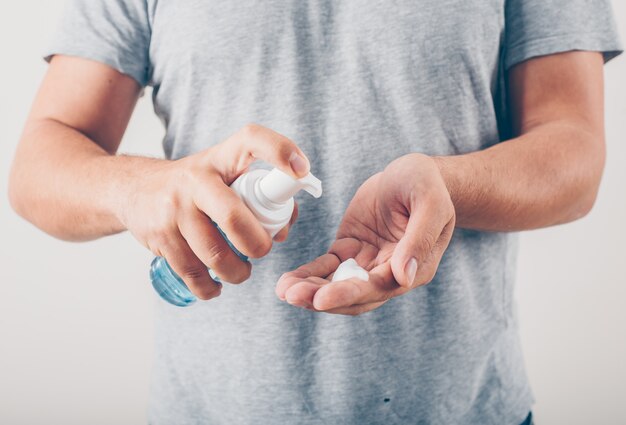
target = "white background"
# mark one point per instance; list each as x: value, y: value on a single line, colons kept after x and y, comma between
x: 76, y: 319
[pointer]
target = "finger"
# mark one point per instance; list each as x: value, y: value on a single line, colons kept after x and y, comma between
x: 355, y: 310
x: 426, y: 272
x: 206, y: 242
x: 345, y: 293
x: 254, y: 142
x: 320, y: 267
x: 284, y: 232
x: 302, y: 294
x: 189, y: 267
x: 423, y: 232
x: 224, y: 207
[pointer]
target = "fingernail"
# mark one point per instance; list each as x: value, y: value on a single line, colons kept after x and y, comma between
x: 299, y: 165
x: 410, y: 270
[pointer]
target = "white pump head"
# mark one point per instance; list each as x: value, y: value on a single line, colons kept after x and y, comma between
x: 269, y: 195
x: 279, y: 187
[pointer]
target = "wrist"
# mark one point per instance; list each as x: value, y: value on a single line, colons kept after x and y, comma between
x: 443, y: 167
x: 453, y: 172
x: 126, y: 178
x: 468, y: 178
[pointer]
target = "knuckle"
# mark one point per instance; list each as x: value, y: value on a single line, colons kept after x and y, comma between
x: 428, y: 242
x: 196, y: 278
x: 216, y: 254
x: 251, y: 130
x: 194, y: 273
x: 191, y: 175
x: 169, y: 205
x: 160, y: 240
x: 283, y: 146
x: 232, y: 218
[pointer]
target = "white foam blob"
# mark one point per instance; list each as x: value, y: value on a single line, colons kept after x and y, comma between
x: 350, y: 269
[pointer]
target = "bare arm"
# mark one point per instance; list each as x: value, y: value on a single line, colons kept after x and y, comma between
x: 62, y: 177
x: 550, y: 173
x: 399, y: 231
x: 67, y: 180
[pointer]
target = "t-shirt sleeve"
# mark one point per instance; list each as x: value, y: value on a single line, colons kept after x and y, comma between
x: 113, y: 32
x: 543, y: 27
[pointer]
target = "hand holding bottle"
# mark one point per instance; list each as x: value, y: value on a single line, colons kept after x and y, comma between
x: 172, y: 209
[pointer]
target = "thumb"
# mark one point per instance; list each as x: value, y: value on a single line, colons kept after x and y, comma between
x: 412, y: 256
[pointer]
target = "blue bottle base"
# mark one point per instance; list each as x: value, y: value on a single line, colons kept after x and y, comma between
x: 169, y: 285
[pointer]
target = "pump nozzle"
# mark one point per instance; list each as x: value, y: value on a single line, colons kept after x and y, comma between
x: 279, y: 187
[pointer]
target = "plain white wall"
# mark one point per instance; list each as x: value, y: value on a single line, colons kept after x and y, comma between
x: 76, y: 319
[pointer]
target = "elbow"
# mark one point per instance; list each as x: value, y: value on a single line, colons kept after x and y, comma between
x: 586, y: 184
x: 16, y: 200
x: 584, y: 205
x: 18, y: 193
x: 22, y: 201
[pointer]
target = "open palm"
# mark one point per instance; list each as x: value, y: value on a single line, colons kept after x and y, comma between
x: 397, y: 227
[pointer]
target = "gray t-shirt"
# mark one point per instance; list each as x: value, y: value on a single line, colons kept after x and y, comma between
x: 356, y: 83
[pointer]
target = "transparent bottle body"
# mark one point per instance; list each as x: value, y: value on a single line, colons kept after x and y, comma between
x: 171, y: 287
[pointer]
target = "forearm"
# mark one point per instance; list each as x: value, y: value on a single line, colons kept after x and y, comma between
x: 69, y: 186
x: 548, y: 176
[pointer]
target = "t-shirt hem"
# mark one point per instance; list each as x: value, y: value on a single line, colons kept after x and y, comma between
x: 602, y: 42
x: 134, y: 72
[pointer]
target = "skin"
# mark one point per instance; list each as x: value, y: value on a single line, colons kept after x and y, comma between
x: 398, y: 232
x: 549, y: 174
x: 67, y: 180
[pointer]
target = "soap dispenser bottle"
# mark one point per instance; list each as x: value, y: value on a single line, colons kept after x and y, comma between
x: 269, y: 195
